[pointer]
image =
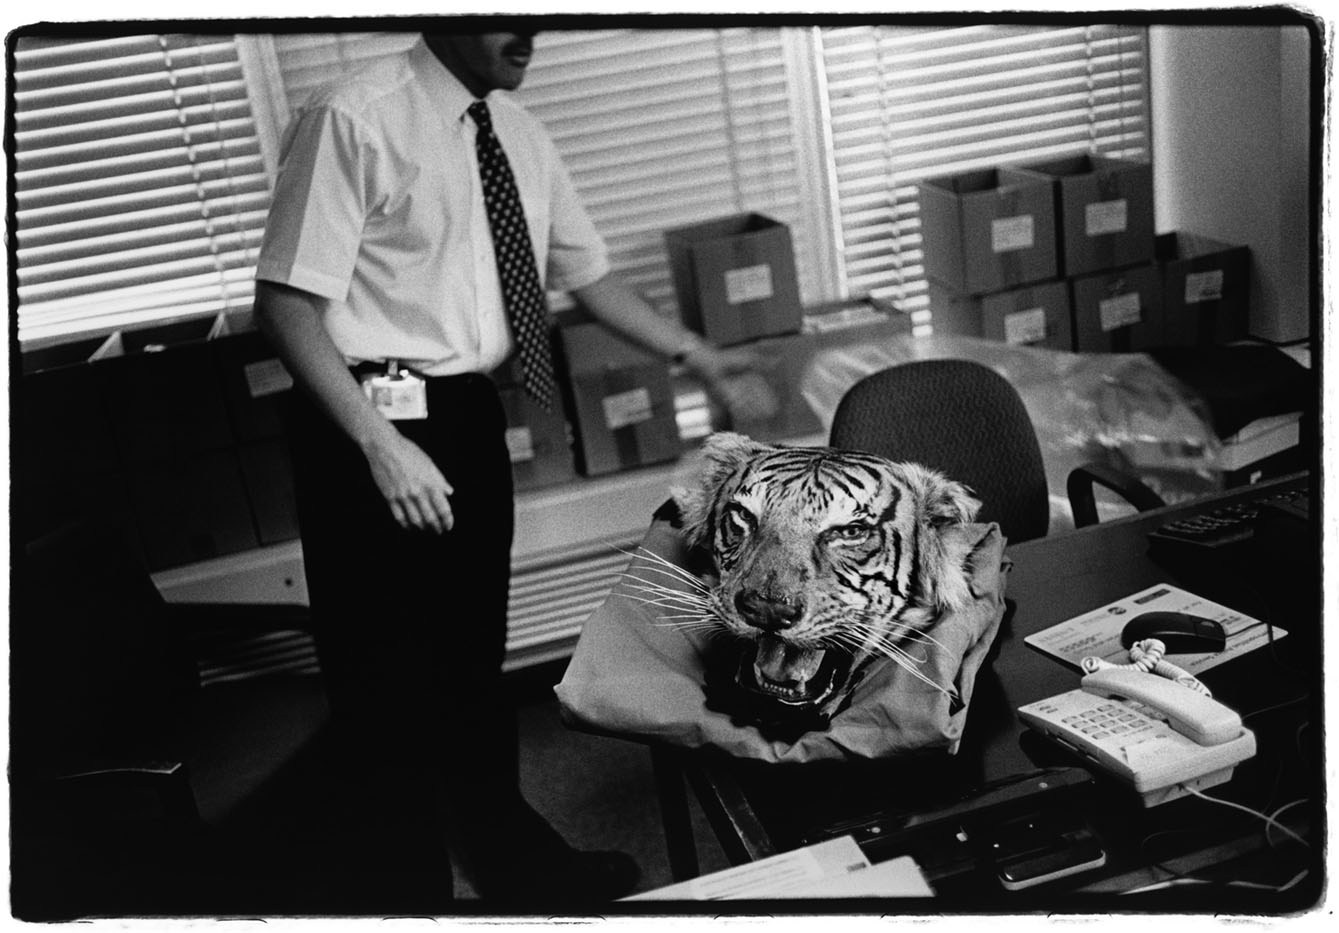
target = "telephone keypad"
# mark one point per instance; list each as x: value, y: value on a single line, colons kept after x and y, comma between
x: 1107, y: 720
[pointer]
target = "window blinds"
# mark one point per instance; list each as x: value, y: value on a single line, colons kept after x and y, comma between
x: 662, y: 128
x: 910, y: 103
x: 658, y: 128
x: 140, y: 191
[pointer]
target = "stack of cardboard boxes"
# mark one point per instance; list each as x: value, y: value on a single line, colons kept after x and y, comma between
x: 170, y: 432
x: 1063, y: 255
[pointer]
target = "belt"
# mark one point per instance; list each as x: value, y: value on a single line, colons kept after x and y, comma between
x: 378, y: 368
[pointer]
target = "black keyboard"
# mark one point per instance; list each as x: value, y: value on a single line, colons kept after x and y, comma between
x: 1230, y: 524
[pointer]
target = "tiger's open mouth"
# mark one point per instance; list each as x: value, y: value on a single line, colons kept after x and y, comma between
x: 792, y: 674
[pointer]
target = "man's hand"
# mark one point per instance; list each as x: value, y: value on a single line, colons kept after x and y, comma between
x: 733, y: 376
x: 414, y: 488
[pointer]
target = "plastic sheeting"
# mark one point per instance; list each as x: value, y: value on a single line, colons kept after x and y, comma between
x: 1121, y: 409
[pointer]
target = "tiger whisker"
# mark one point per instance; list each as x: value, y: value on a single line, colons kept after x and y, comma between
x: 644, y: 586
x: 669, y: 598
x: 665, y: 566
x: 667, y: 604
x: 908, y: 664
x: 666, y: 621
x: 651, y: 585
x: 685, y: 615
x: 873, y: 636
x: 905, y: 631
x: 631, y: 575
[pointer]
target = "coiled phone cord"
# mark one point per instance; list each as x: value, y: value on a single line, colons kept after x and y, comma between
x: 1147, y: 656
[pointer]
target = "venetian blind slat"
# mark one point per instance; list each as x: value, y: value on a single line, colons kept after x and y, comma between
x: 139, y: 186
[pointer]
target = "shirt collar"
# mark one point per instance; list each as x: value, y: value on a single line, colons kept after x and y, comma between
x: 440, y: 82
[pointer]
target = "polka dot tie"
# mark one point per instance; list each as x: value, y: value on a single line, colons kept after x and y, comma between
x: 521, y: 291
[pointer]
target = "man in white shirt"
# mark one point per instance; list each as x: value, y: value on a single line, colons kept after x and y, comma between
x: 378, y: 254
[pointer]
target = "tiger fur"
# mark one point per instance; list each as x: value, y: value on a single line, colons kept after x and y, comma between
x: 823, y: 562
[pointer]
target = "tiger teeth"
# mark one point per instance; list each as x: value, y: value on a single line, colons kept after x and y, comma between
x: 789, y: 693
x: 785, y: 670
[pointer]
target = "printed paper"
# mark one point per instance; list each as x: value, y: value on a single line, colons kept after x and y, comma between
x: 1025, y: 326
x: 267, y: 377
x: 1104, y: 217
x: 1120, y: 311
x: 748, y: 283
x: 1204, y: 286
x: 1011, y: 233
x: 520, y: 444
x: 1097, y: 633
x: 835, y: 868
x: 625, y: 408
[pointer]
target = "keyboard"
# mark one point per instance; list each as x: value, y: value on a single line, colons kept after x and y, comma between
x: 1232, y: 524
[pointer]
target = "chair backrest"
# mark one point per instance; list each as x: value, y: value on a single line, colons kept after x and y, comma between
x: 961, y: 418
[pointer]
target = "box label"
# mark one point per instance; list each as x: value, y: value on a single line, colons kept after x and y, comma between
x: 748, y: 283
x: 625, y: 408
x: 1025, y: 326
x: 1011, y: 233
x: 1120, y: 311
x: 520, y: 444
x: 267, y: 377
x: 1105, y: 217
x: 1204, y: 286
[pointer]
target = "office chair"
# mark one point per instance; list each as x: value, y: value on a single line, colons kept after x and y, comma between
x: 126, y: 773
x: 967, y: 420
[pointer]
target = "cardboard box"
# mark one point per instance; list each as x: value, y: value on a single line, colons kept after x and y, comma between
x: 988, y: 230
x: 253, y: 380
x: 191, y: 508
x: 953, y: 313
x: 163, y: 396
x: 538, y: 440
x: 42, y: 502
x: 63, y: 425
x: 734, y: 278
x: 621, y: 401
x: 1205, y: 288
x: 60, y: 355
x: 1037, y: 315
x: 1105, y: 212
x: 267, y: 476
x: 1118, y: 312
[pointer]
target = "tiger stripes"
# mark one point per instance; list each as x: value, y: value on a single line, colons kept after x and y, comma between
x: 825, y: 560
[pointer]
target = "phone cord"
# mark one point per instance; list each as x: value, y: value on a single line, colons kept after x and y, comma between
x: 1147, y: 656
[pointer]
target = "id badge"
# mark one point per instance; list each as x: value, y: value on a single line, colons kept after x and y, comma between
x: 400, y: 397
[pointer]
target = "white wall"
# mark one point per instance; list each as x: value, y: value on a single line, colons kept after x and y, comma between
x: 1231, y: 136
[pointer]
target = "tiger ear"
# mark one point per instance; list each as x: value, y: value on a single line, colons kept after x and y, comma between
x: 697, y: 483
x: 944, y: 508
x: 946, y: 502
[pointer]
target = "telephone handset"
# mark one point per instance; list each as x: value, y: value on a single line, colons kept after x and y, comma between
x: 1195, y: 715
x: 1148, y: 731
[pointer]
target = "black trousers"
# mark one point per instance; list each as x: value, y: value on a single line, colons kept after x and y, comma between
x: 411, y: 625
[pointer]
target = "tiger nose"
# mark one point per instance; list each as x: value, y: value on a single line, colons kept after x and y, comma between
x: 768, y: 612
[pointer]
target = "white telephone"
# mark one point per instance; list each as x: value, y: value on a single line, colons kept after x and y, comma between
x: 1152, y: 733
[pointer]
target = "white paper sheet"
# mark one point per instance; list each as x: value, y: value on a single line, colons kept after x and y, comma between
x: 1098, y: 632
x: 835, y: 868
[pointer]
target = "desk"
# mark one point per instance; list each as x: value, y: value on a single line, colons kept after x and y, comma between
x: 757, y: 810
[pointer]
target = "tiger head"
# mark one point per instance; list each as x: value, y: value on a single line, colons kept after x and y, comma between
x: 824, y: 562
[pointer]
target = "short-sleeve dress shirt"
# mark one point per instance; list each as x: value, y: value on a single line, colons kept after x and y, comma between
x: 378, y: 208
